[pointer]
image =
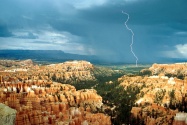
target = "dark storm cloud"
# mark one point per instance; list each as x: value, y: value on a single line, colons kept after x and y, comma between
x: 75, y: 26
x: 141, y: 12
x: 154, y: 12
x: 98, y: 26
x: 4, y: 31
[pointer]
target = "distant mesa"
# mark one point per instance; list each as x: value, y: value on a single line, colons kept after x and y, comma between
x: 44, y: 55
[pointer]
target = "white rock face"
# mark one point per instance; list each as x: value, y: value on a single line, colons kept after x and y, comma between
x: 7, y: 115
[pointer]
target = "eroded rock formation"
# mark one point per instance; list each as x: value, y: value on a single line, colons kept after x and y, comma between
x: 30, y: 90
x: 177, y: 69
x: 159, y: 99
x: 52, y: 103
x: 67, y: 72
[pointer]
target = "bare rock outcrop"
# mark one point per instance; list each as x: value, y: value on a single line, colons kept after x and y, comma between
x: 7, y: 115
x: 16, y: 63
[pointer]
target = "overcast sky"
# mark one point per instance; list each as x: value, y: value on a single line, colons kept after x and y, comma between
x: 97, y: 27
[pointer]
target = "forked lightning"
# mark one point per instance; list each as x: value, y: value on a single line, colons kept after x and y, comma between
x: 132, y: 37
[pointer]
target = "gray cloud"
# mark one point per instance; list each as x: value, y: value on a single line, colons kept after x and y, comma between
x: 28, y: 35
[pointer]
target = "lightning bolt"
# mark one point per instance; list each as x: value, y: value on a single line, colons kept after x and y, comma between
x: 132, y: 37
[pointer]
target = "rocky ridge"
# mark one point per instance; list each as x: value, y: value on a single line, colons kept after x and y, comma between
x: 67, y: 72
x: 170, y: 70
x: 16, y: 63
